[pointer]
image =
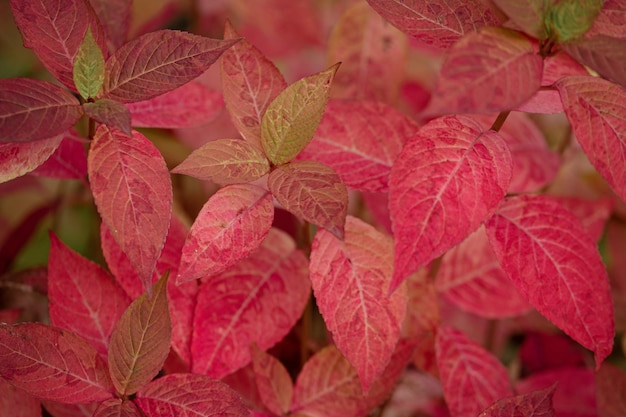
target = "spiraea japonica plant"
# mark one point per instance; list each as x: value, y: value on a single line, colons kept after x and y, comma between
x: 338, y: 209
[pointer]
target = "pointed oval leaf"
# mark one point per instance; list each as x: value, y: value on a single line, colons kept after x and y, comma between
x: 69, y: 160
x: 373, y: 56
x: 472, y: 279
x: 54, y: 30
x: 596, y: 110
x: 109, y: 112
x: 570, y: 19
x: 439, y: 23
x: 528, y: 15
x: 603, y: 54
x: 232, y: 224
x: 273, y: 381
x: 472, y: 377
x: 225, y: 161
x: 350, y: 280
x: 312, y: 191
x: 141, y: 341
x: 17, y: 159
x: 250, y: 82
x: 158, y: 62
x: 534, y: 404
x: 447, y: 180
x: 593, y: 214
x: 53, y: 364
x: 33, y: 110
x: 190, y: 395
x: 491, y: 71
x: 290, y: 120
x: 360, y: 140
x: 115, y: 16
x: 556, y: 266
x: 88, y: 68
x: 15, y: 402
x: 83, y: 297
x: 116, y: 407
x: 190, y: 105
x: 257, y: 300
x: 133, y: 192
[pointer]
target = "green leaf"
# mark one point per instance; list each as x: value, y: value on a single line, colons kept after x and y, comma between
x: 291, y: 118
x: 570, y: 19
x: 89, y: 67
x: 141, y: 340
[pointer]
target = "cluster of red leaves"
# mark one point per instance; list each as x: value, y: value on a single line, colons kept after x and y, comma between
x: 466, y: 190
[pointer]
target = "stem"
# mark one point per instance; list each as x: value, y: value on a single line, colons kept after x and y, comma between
x: 434, y: 269
x: 92, y: 128
x: 497, y: 125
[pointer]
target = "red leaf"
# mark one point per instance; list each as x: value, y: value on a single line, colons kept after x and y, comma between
x: 446, y: 181
x: 360, y: 140
x: 132, y: 189
x: 438, y: 23
x: 494, y: 70
x: 313, y: 192
x: 611, y: 20
x: 109, y: 112
x: 533, y: 404
x: 116, y: 407
x: 141, y: 341
x: 54, y: 30
x: 556, y: 266
x: 15, y: 402
x: 69, y: 161
x: 191, y: 105
x: 70, y: 410
x: 189, y: 395
x: 115, y: 16
x: 52, y: 364
x: 603, y: 54
x: 158, y: 62
x: 596, y: 109
x: 33, y: 110
x: 231, y: 225
x: 250, y: 83
x: 257, y: 300
x: 273, y: 382
x: 543, y: 351
x: 83, y: 297
x: 575, y: 390
x: 472, y: 279
x: 611, y: 391
x: 10, y: 316
x: 17, y: 159
x: 472, y: 377
x: 225, y: 161
x: 373, y: 56
x: 350, y: 280
x: 593, y: 214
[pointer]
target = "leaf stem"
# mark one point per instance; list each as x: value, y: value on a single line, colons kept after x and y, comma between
x: 497, y: 125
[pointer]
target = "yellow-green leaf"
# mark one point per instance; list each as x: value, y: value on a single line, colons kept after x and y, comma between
x: 570, y: 19
x: 291, y: 118
x: 88, y: 67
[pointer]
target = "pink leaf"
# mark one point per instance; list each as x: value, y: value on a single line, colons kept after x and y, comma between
x: 611, y: 20
x: 83, y: 297
x: 603, y: 54
x: 438, y: 23
x: 109, y: 112
x: 250, y: 83
x: 53, y: 364
x: 33, y: 110
x: 527, y: 15
x: 190, y: 105
x: 350, y: 280
x: 225, y: 161
x: 534, y: 404
x: 133, y: 193
x: 54, y: 30
x: 141, y: 341
x: 69, y: 161
x: 494, y: 70
x: 257, y: 300
x: 556, y: 266
x: 273, y: 381
x: 15, y: 402
x: 446, y: 181
x: 158, y: 62
x: 611, y: 391
x: 373, y: 55
x: 593, y: 214
x: 189, y: 395
x: 596, y: 109
x: 472, y: 377
x: 313, y: 192
x: 17, y: 159
x: 360, y: 140
x: 115, y: 16
x: 229, y: 227
x: 116, y: 407
x: 471, y: 278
